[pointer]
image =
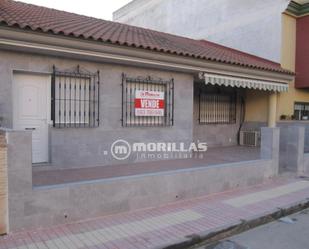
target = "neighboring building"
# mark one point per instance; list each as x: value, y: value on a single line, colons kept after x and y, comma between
x: 240, y: 24
x: 295, y: 57
x: 273, y: 29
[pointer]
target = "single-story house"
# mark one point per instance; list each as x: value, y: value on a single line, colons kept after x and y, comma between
x: 71, y: 86
x: 73, y: 80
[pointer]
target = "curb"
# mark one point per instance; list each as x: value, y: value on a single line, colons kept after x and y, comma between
x: 238, y: 227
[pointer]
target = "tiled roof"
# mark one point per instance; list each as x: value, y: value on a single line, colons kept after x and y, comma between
x: 41, y: 19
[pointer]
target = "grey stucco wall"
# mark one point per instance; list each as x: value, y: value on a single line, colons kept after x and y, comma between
x: 253, y: 125
x: 292, y: 142
x: 270, y: 146
x: 306, y: 162
x: 305, y: 124
x: 282, y: 124
x: 248, y: 25
x: 84, y: 147
x: 51, y: 205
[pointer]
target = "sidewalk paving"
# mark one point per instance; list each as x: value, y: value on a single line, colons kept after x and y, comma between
x: 166, y: 225
x: 289, y: 233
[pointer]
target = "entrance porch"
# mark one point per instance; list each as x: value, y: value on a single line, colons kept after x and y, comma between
x: 48, y: 175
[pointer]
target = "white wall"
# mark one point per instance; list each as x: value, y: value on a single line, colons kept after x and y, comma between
x: 252, y: 26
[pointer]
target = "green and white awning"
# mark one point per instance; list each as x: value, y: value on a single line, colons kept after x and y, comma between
x: 232, y: 81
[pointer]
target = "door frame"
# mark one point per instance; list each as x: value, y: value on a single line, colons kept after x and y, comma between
x: 48, y: 101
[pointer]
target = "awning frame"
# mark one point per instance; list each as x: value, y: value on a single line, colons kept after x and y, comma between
x: 243, y: 82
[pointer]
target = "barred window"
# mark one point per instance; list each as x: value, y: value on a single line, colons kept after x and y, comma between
x: 147, y: 102
x: 75, y: 98
x: 301, y: 111
x: 217, y: 108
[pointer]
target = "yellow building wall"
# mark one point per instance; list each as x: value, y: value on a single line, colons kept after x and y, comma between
x: 288, y: 51
x: 257, y: 101
x: 256, y: 106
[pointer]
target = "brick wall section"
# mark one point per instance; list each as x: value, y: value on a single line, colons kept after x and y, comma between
x: 3, y: 185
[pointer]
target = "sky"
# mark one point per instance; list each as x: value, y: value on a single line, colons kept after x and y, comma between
x: 96, y: 8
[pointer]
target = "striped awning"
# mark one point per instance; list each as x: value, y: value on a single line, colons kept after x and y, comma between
x: 231, y: 81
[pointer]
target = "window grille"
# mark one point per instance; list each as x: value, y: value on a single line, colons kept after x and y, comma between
x: 130, y: 87
x: 217, y: 108
x: 75, y: 98
x: 301, y: 111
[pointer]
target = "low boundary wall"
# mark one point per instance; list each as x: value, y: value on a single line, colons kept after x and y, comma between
x: 292, y: 140
x: 306, y: 163
x: 3, y: 186
x: 50, y: 205
x: 292, y: 150
x: 297, y: 124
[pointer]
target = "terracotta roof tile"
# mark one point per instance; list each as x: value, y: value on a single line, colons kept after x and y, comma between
x: 36, y: 18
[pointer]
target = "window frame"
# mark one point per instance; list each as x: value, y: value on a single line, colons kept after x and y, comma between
x: 128, y: 118
x: 304, y: 104
x: 84, y: 94
x: 230, y: 111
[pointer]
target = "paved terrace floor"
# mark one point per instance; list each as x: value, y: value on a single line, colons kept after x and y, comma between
x: 166, y: 225
x: 45, y: 175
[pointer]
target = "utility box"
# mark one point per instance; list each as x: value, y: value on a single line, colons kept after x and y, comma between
x: 250, y: 138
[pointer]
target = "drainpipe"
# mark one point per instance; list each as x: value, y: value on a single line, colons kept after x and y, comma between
x: 242, y: 117
x: 272, y: 109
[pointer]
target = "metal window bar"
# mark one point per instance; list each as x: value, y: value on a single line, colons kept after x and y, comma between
x: 217, y: 108
x: 75, y: 98
x: 130, y: 85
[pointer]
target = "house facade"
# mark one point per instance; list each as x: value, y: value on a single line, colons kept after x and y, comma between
x: 73, y: 88
x: 77, y: 93
x: 241, y: 25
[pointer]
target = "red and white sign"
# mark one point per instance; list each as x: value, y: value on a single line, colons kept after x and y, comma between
x: 149, y: 103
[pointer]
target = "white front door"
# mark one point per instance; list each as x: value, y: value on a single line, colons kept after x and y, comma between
x: 31, y: 107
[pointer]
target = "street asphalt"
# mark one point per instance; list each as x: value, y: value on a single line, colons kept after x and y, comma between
x: 290, y: 232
